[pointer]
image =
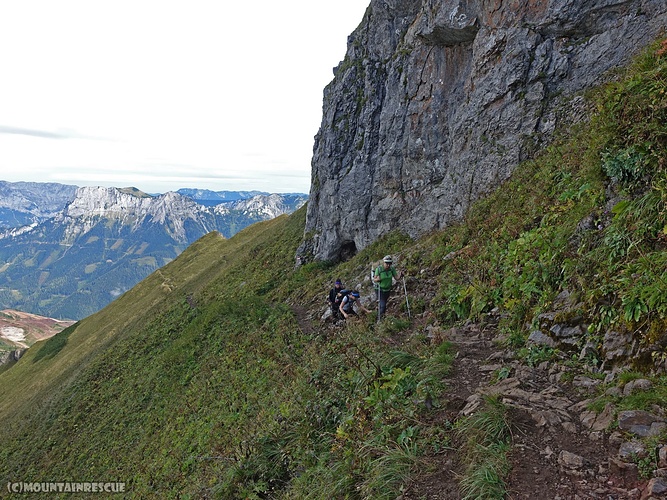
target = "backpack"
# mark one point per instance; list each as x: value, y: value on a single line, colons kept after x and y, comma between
x: 342, y: 294
x: 346, y: 294
x: 374, y: 268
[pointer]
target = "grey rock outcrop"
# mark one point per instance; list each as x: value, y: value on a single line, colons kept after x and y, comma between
x: 436, y: 102
x: 641, y: 423
x: 656, y: 488
x: 10, y: 356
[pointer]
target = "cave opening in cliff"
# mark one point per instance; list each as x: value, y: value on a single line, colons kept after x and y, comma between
x: 347, y: 250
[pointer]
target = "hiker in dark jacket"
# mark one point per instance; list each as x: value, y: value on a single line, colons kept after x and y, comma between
x: 383, y: 278
x: 347, y: 305
x: 335, y: 298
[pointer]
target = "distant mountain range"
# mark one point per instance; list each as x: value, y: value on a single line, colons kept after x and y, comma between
x: 66, y: 252
x: 207, y: 197
x: 23, y: 203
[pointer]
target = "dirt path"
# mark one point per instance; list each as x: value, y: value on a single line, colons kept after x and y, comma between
x: 554, y: 455
x: 302, y: 319
x: 473, y: 347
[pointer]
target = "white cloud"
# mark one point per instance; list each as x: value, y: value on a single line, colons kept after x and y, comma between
x: 155, y: 93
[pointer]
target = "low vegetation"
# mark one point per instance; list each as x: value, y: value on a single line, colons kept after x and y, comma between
x: 205, y: 380
x: 486, y: 437
x: 589, y: 216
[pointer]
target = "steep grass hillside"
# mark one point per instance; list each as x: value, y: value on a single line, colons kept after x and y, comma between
x: 215, y: 378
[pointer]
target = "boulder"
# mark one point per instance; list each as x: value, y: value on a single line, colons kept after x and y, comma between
x: 637, y: 385
x: 571, y: 460
x: 616, y: 345
x: 598, y: 422
x: 538, y: 338
x: 640, y: 423
x: 656, y: 488
x: 630, y: 450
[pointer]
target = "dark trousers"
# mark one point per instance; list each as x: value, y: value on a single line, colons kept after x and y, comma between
x: 383, y: 297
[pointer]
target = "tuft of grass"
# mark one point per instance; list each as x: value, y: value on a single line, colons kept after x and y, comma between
x: 390, y: 326
x: 629, y: 376
x: 486, y: 439
x: 487, y: 479
x: 389, y: 472
x: 646, y: 400
x: 534, y: 355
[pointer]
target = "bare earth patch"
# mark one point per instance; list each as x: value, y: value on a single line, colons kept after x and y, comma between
x: 22, y: 329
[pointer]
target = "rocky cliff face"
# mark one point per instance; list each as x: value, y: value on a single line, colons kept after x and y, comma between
x: 170, y: 210
x: 437, y: 101
x: 24, y: 203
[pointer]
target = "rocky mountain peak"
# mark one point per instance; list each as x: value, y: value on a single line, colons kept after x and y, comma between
x: 104, y: 240
x: 38, y: 199
x: 106, y: 201
x: 129, y: 207
x: 270, y: 205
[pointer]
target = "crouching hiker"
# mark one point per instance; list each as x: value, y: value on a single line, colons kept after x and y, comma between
x: 383, y: 277
x: 347, y: 305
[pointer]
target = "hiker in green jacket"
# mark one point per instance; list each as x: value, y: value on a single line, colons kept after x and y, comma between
x: 383, y: 277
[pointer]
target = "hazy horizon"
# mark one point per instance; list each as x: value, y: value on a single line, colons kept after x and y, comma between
x: 164, y: 95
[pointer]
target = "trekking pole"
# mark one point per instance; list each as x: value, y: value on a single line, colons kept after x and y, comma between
x: 405, y: 289
x: 377, y: 287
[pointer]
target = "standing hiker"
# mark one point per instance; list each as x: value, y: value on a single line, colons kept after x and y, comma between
x: 347, y: 305
x: 383, y: 278
x: 335, y: 297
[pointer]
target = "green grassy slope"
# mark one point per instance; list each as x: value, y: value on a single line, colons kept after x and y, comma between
x: 198, y: 380
x: 127, y: 354
x: 204, y: 379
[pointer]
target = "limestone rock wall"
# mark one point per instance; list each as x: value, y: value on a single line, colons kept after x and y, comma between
x: 437, y: 101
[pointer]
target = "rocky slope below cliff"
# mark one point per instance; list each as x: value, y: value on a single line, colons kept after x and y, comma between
x: 437, y: 101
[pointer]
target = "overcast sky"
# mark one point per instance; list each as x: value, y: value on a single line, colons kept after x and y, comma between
x: 162, y: 95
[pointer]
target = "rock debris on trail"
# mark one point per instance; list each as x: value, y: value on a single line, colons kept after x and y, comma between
x: 560, y: 448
